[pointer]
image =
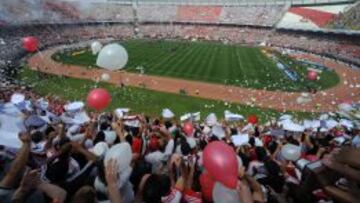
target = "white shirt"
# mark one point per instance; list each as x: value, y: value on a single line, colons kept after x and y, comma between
x: 155, y: 158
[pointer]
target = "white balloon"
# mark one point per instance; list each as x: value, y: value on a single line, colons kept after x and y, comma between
x: 96, y: 47
x: 291, y: 152
x: 105, y: 77
x: 222, y: 194
x: 112, y: 57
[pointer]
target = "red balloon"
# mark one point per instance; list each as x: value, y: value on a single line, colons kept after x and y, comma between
x: 253, y: 119
x: 207, y: 186
x: 98, y: 99
x: 221, y: 163
x: 312, y: 75
x: 188, y: 128
x: 30, y: 44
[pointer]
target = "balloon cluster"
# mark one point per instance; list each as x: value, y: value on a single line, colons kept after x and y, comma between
x: 221, y: 163
x: 221, y: 176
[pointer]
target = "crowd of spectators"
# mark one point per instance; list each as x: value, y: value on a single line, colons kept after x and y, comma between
x: 344, y: 48
x: 252, y: 15
x: 67, y: 154
x: 62, y: 159
x: 156, y: 13
x: 236, y: 15
x: 108, y: 12
x: 63, y: 11
x: 81, y: 11
x: 211, y: 33
x: 48, y: 11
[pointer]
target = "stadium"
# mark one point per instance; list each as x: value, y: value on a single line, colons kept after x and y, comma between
x: 146, y: 84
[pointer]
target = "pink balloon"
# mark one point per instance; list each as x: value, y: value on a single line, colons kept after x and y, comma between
x: 98, y: 99
x: 30, y: 43
x: 207, y: 186
x: 221, y: 163
x: 188, y: 128
x: 312, y: 75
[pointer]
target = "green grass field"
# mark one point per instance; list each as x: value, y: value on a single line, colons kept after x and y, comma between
x: 140, y: 100
x: 207, y: 61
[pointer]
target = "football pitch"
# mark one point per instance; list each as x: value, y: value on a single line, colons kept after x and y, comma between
x: 209, y: 62
x: 141, y: 100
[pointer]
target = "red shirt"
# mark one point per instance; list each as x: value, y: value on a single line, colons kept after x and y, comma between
x: 136, y: 145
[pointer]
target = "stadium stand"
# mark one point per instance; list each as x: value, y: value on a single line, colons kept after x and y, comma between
x: 237, y: 15
x: 108, y: 13
x: 347, y: 19
x: 64, y: 11
x: 79, y: 12
x: 204, y: 14
x: 320, y: 18
x: 312, y: 17
x: 251, y: 15
x: 61, y: 152
x: 340, y: 47
x: 156, y: 13
x: 232, y: 34
x: 117, y: 11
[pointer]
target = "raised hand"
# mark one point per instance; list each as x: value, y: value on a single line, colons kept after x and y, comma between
x: 349, y: 156
x: 111, y: 176
x: 30, y: 180
x: 244, y: 192
x: 25, y: 137
x: 111, y: 173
